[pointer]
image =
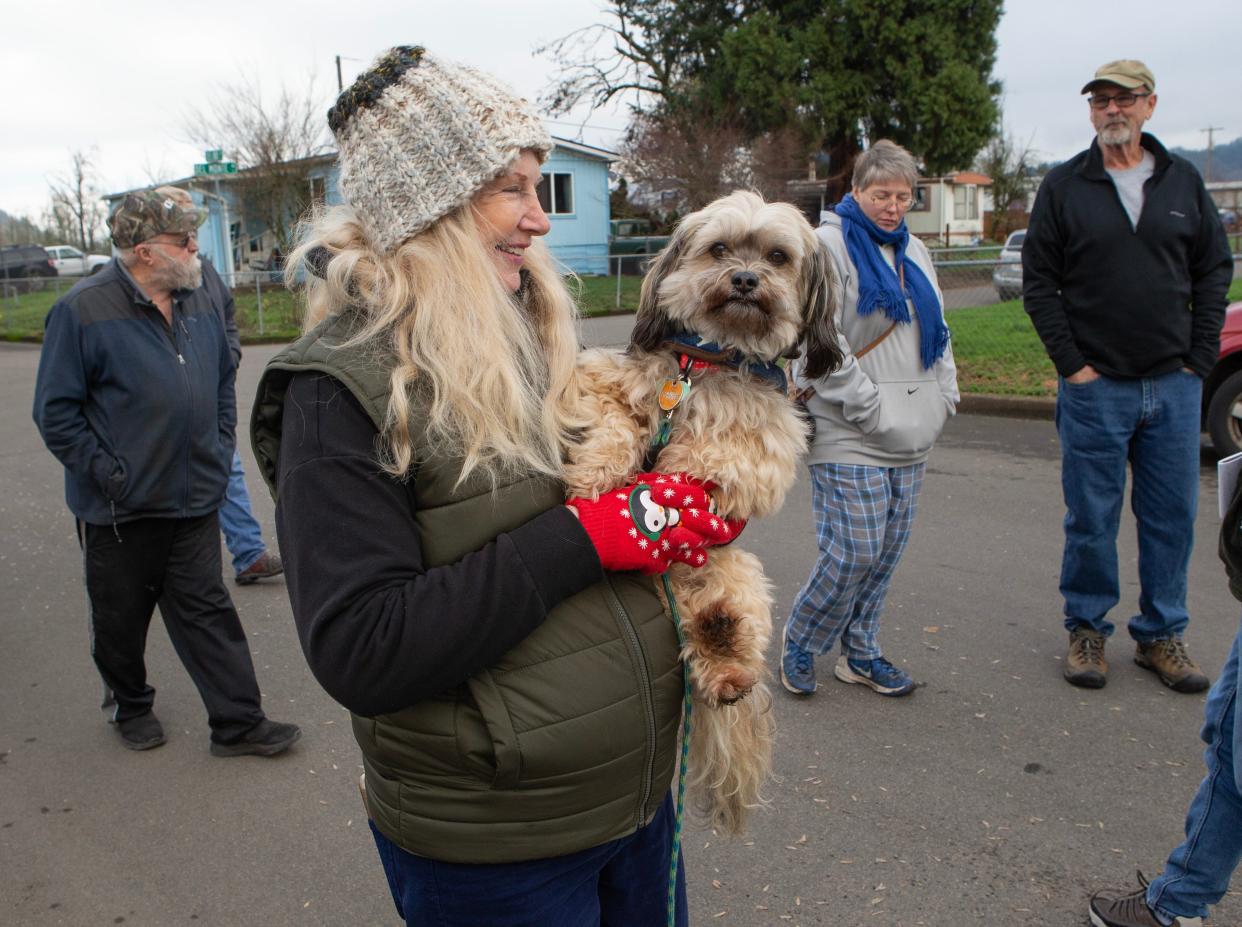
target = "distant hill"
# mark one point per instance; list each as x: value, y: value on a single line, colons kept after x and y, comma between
x: 1226, y: 160
x: 19, y: 230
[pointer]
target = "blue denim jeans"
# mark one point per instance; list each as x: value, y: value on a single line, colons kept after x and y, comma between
x: 623, y: 883
x: 1197, y: 873
x: 242, y: 535
x: 1152, y: 424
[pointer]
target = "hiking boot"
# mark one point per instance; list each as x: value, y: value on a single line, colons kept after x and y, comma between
x: 141, y: 733
x: 1168, y: 659
x: 877, y: 674
x: 798, y: 669
x: 1113, y: 909
x: 267, y: 738
x: 1084, y: 662
x: 267, y: 565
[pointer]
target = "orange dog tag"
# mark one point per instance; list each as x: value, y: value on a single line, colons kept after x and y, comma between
x: 672, y: 393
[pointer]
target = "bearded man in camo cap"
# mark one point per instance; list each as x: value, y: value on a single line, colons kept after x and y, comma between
x: 134, y: 396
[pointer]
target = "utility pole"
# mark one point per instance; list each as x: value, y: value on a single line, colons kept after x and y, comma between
x: 1207, y: 173
x: 340, y: 86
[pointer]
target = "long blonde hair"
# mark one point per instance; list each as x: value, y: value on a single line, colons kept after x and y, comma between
x: 494, y: 368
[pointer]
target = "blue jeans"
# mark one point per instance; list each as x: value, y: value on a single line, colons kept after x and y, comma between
x: 1197, y: 873
x: 1153, y: 424
x: 623, y: 883
x: 242, y: 534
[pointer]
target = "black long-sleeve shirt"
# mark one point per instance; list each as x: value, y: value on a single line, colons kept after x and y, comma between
x: 1130, y: 301
x: 381, y: 630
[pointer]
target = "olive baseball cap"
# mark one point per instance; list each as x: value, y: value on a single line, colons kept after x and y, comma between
x: 1126, y: 73
x: 143, y: 215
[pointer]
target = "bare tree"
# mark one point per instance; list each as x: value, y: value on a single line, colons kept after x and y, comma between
x: 648, y: 48
x: 683, y: 166
x: 775, y: 159
x: 270, y: 139
x: 684, y: 162
x: 76, y: 210
x: 1009, y: 166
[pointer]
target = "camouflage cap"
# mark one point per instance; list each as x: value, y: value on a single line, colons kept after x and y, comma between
x: 148, y: 213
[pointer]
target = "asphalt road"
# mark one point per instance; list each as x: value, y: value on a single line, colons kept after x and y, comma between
x: 996, y: 794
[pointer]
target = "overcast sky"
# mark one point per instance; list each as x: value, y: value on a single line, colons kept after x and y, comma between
x: 120, y: 78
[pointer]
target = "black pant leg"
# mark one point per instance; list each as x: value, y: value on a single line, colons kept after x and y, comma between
x: 124, y: 568
x: 205, y: 630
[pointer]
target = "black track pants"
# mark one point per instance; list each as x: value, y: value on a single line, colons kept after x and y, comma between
x: 175, y: 563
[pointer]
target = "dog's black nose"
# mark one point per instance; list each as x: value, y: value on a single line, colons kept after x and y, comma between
x: 744, y: 281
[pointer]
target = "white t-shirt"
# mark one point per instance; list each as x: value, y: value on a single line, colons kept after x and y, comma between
x: 1129, y: 184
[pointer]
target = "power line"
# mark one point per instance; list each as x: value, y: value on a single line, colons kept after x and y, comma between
x: 1207, y: 172
x: 584, y: 125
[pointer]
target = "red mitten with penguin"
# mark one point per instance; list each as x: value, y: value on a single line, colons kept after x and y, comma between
x: 656, y: 520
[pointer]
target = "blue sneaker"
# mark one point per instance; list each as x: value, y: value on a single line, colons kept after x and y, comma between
x: 797, y: 669
x: 878, y: 674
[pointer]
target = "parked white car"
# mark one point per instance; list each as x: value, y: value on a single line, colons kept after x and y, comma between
x: 71, y: 262
x: 1007, y: 277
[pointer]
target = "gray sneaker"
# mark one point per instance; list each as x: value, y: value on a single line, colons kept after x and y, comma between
x: 1084, y: 662
x: 1113, y: 909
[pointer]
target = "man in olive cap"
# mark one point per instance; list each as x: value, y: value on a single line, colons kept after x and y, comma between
x: 1125, y: 273
x: 134, y: 396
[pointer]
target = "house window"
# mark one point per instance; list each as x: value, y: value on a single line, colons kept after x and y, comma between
x: 966, y: 202
x: 556, y: 194
x: 318, y: 189
x: 922, y: 200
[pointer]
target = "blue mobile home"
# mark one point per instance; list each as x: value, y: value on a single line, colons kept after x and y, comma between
x: 574, y: 195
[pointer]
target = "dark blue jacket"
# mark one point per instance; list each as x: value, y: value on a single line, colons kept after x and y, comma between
x: 141, y: 414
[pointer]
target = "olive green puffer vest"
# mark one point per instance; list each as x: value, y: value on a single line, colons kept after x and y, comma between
x: 566, y: 743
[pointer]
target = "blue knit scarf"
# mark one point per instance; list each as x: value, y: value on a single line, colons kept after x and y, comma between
x: 879, y: 286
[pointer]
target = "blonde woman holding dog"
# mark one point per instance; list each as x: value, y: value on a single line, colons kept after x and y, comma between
x: 876, y: 418
x: 514, y: 682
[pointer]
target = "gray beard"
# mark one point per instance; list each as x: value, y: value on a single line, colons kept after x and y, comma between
x: 177, y: 276
x: 1116, y: 135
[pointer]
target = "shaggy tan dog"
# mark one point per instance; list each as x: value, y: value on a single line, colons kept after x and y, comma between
x: 740, y: 284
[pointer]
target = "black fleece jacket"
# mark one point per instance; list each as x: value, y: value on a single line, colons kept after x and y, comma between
x: 380, y: 629
x: 1131, y: 302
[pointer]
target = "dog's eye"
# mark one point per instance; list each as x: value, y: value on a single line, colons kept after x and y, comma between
x: 778, y: 258
x: 718, y: 249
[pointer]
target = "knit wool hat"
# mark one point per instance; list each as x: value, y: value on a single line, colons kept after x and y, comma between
x: 419, y: 137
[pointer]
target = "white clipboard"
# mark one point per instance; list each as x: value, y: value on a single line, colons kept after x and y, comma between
x: 1227, y: 470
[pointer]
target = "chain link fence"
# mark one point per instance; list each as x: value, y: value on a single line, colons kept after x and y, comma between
x: 995, y: 346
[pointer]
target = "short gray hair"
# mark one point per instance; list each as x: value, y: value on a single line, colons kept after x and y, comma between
x: 885, y: 161
x: 127, y: 256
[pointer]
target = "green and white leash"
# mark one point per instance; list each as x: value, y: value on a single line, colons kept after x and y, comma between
x: 685, y: 751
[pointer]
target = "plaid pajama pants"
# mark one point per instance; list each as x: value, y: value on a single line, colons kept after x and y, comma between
x: 862, y: 517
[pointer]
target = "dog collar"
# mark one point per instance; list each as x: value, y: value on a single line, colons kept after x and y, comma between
x: 708, y: 355
x: 695, y: 354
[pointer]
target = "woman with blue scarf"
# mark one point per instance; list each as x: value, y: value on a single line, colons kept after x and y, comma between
x: 876, y: 418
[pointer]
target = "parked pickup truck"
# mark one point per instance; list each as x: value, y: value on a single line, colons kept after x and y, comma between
x: 631, y: 243
x: 70, y: 262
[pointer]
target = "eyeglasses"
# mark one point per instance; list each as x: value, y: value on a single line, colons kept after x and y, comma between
x: 1124, y: 100
x: 884, y: 199
x: 183, y: 242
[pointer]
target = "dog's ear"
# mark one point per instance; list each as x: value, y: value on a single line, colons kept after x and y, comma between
x: 819, y: 331
x: 651, y: 324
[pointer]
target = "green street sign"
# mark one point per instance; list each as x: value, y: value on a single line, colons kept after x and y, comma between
x: 214, y: 155
x: 216, y: 167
